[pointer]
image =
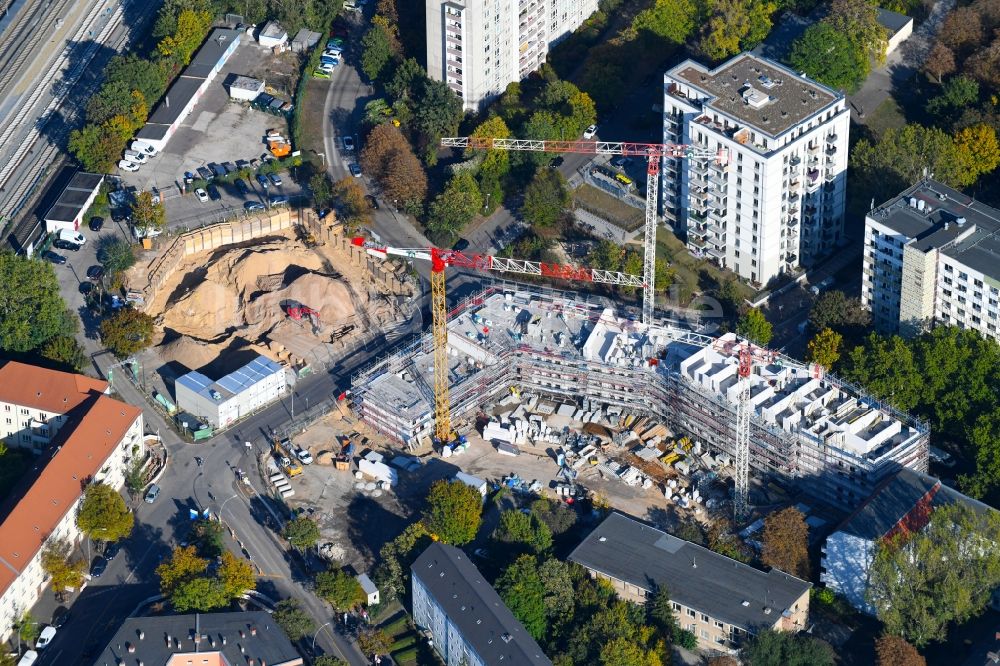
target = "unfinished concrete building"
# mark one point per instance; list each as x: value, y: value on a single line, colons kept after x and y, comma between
x: 804, y: 427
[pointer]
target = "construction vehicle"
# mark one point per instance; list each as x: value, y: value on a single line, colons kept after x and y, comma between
x: 653, y: 152
x: 441, y: 259
x: 279, y: 148
x: 297, y: 311
x: 286, y: 461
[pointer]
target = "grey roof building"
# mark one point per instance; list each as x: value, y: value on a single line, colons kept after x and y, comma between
x: 234, y: 396
x: 932, y: 255
x: 715, y: 597
x: 176, y: 639
x: 68, y: 210
x: 468, y: 620
x: 904, y: 503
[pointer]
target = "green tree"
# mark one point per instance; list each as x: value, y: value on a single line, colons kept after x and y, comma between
x: 606, y: 255
x: 786, y: 542
x: 784, y: 648
x: 376, y: 52
x: 755, y: 327
x: 557, y: 583
x: 545, y: 199
x: 437, y: 113
x: 671, y: 20
x: 516, y: 527
x: 295, y: 622
x: 734, y: 26
x: 660, y: 611
x: 328, y: 660
x: 135, y: 477
x: 921, y: 582
x: 139, y: 74
x: 454, y: 512
x: 886, y: 368
x: 146, y: 214
x: 391, y: 574
x: 901, y: 155
x: 341, y: 589
x: 28, y: 629
x: 828, y: 55
x: 556, y: 515
x: 199, y: 594
x: 957, y: 93
x: 353, y: 209
x: 858, y: 19
x: 235, y: 575
x: 977, y: 150
x: 95, y: 148
x: 103, y: 515
x: 624, y: 652
x: 405, y: 80
x: 374, y: 641
x: 207, y: 536
x: 521, y: 589
x: 322, y: 189
x: 455, y: 207
x: 65, y: 571
x: 833, y: 309
x: 496, y: 163
x: 32, y: 309
x: 127, y: 332
x: 66, y: 351
x: 302, y: 532
x: 182, y: 566
x: 115, y: 254
x: 984, y: 440
x: 824, y: 348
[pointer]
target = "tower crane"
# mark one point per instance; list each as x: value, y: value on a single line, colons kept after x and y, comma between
x: 747, y: 354
x: 441, y: 259
x: 653, y: 152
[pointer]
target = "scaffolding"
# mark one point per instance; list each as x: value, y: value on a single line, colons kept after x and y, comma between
x: 571, y: 350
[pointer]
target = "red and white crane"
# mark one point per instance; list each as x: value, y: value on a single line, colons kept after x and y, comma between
x: 652, y: 152
x: 441, y: 259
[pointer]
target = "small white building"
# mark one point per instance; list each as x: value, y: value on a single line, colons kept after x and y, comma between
x: 236, y: 395
x: 472, y: 481
x: 898, y: 28
x: 73, y: 202
x: 305, y: 39
x: 272, y: 34
x: 371, y: 592
x: 245, y: 88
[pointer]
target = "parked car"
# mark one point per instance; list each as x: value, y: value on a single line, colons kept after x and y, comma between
x: 213, y: 192
x: 620, y: 162
x: 372, y: 201
x: 242, y: 186
x: 217, y: 169
x: 125, y: 165
x: 320, y: 74
x: 460, y: 245
x: 355, y: 169
x: 280, y: 200
x: 135, y: 157
x: 242, y: 164
x: 590, y: 132
x: 112, y: 549
x: 86, y: 287
x: 205, y: 173
x: 143, y: 147
x: 152, y: 494
x: 348, y: 144
x: 262, y: 180
x: 254, y: 163
x: 201, y: 194
x: 96, y: 223
x: 229, y: 167
x: 253, y: 206
x: 275, y: 179
x: 335, y: 52
x: 45, y: 637
x: 61, y: 244
x: 95, y: 272
x: 98, y: 566
x: 57, y: 259
x: 304, y: 456
x: 334, y: 43
x: 60, y: 616
x: 556, y: 162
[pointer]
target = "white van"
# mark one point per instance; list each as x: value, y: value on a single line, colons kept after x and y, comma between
x: 143, y: 147
x: 72, y: 236
x: 29, y: 658
x: 133, y: 156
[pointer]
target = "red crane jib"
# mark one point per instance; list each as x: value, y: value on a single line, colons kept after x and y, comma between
x: 440, y: 259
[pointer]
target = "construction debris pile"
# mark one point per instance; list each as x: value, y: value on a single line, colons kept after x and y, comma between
x: 607, y: 441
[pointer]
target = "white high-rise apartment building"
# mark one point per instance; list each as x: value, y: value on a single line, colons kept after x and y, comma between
x: 778, y: 204
x: 479, y: 46
x: 932, y: 255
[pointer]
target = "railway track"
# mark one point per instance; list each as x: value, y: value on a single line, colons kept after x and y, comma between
x: 20, y: 176
x: 22, y: 38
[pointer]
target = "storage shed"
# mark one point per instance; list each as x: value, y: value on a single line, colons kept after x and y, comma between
x: 68, y: 210
x: 898, y: 28
x: 245, y: 88
x: 272, y: 34
x: 236, y: 395
x: 371, y: 592
x: 305, y: 39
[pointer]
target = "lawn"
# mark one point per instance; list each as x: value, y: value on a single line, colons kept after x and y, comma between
x: 888, y: 115
x: 592, y: 200
x: 312, y: 116
x: 407, y: 648
x: 693, y: 275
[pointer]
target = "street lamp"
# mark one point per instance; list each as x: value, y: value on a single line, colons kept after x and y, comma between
x: 325, y: 624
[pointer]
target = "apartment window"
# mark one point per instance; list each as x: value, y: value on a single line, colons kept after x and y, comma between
x: 691, y: 613
x: 978, y: 283
x: 948, y: 281
x: 704, y: 618
x: 720, y: 640
x: 704, y: 634
x: 963, y: 276
x: 692, y: 627
x: 947, y: 268
x: 718, y: 625
x: 676, y: 606
x: 24, y: 411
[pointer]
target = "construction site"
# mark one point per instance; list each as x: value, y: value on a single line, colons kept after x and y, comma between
x: 645, y: 404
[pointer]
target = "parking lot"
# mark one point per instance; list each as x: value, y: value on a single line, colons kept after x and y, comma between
x: 221, y: 130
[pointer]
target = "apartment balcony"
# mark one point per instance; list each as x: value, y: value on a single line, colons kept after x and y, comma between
x: 813, y: 150
x: 830, y: 178
x: 795, y: 183
x: 812, y: 175
x: 697, y: 242
x: 452, y: 52
x: 715, y: 253
x: 453, y: 42
x: 793, y: 197
x: 717, y: 230
x: 831, y: 151
x: 717, y: 214
x: 830, y: 186
x: 697, y: 231
x: 831, y: 138
x: 795, y: 161
x: 456, y: 87
x: 699, y: 195
x: 718, y: 181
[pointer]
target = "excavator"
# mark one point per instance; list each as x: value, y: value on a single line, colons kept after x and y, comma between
x: 297, y: 311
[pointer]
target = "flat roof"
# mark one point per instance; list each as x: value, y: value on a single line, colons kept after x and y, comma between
x: 273, y: 30
x: 210, y: 54
x: 175, y: 99
x: 170, y: 639
x: 153, y: 131
x: 475, y: 608
x: 758, y: 92
x: 75, y: 195
x: 246, y: 83
x: 80, y: 451
x: 234, y: 383
x: 892, y: 21
x: 735, y: 593
x: 972, y: 236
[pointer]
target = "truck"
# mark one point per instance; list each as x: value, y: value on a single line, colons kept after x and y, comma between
x: 285, y: 460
